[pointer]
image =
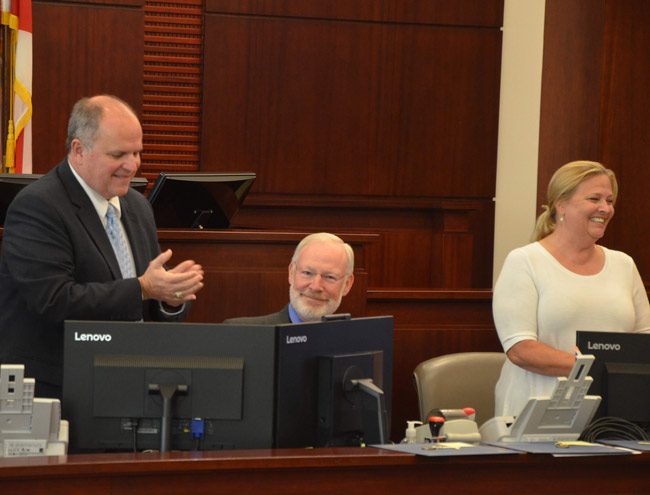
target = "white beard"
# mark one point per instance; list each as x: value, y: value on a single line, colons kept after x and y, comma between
x: 311, y: 313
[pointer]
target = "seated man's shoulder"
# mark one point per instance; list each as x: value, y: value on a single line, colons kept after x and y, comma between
x: 270, y: 319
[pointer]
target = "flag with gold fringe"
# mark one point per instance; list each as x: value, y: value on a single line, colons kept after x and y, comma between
x: 17, y: 85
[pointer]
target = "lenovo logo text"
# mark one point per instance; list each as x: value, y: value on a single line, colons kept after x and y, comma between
x: 92, y: 337
x: 297, y: 339
x: 603, y: 346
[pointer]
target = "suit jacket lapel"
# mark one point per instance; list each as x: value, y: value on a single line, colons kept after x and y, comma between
x: 88, y: 217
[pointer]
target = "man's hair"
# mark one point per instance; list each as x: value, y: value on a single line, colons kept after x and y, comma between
x: 85, y: 118
x: 326, y: 237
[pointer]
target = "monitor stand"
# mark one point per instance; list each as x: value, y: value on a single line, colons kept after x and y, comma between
x: 201, y: 218
x: 374, y: 412
x: 167, y: 392
x: 562, y: 416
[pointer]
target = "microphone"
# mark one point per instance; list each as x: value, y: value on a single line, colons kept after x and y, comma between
x: 435, y: 425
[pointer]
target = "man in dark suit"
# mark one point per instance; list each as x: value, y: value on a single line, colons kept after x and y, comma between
x: 58, y: 262
x: 320, y: 274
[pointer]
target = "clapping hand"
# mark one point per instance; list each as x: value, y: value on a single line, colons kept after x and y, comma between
x: 174, y: 286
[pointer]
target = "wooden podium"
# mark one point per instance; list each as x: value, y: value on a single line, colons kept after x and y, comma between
x: 321, y: 471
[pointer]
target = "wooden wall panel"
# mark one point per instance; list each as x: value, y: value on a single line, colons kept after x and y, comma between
x: 356, y: 125
x: 626, y: 125
x: 423, y: 244
x: 109, y: 3
x: 339, y: 108
x: 457, y: 12
x: 483, y: 13
x: 572, y: 78
x: 595, y: 105
x: 80, y: 50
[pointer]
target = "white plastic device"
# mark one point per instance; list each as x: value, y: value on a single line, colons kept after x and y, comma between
x: 562, y: 416
x: 28, y: 425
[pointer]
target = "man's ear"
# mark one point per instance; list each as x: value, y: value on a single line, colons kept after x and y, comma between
x: 348, y: 284
x: 77, y: 150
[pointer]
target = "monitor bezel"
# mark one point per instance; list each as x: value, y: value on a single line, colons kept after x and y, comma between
x: 139, y: 184
x: 299, y: 348
x: 15, y: 182
x: 281, y: 371
x: 83, y: 340
x: 622, y: 348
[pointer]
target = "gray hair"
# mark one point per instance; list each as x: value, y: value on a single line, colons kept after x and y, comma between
x: 326, y: 237
x: 85, y: 118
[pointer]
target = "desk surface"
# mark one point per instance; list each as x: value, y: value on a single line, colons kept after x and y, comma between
x: 316, y: 471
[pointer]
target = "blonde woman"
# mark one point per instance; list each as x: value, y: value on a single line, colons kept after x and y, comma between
x: 562, y: 282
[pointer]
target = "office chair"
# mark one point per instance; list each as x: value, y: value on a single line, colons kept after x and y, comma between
x: 453, y: 381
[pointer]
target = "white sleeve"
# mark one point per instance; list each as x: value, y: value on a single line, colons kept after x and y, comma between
x: 515, y: 300
x: 640, y: 301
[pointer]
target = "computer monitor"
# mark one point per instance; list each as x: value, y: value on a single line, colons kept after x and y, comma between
x: 10, y: 185
x: 198, y: 200
x: 252, y: 386
x: 116, y: 374
x: 621, y: 373
x: 140, y: 184
x: 317, y: 363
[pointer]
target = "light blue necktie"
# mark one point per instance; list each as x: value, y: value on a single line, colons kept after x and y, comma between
x: 119, y: 243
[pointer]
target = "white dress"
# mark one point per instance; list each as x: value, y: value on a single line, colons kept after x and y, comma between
x: 536, y: 298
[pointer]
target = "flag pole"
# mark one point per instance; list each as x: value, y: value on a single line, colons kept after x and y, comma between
x: 4, y: 85
x: 10, y: 148
x: 7, y: 72
x: 9, y: 56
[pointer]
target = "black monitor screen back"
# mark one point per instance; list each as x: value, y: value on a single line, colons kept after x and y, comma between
x: 10, y: 185
x: 228, y: 370
x: 303, y: 350
x: 621, y: 373
x: 140, y: 184
x: 198, y: 200
x: 256, y: 386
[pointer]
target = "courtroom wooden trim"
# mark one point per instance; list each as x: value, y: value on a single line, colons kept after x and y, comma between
x: 429, y: 295
x: 484, y: 13
x: 322, y: 471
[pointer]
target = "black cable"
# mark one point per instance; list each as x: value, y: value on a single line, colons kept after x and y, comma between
x: 612, y: 428
x: 135, y: 423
